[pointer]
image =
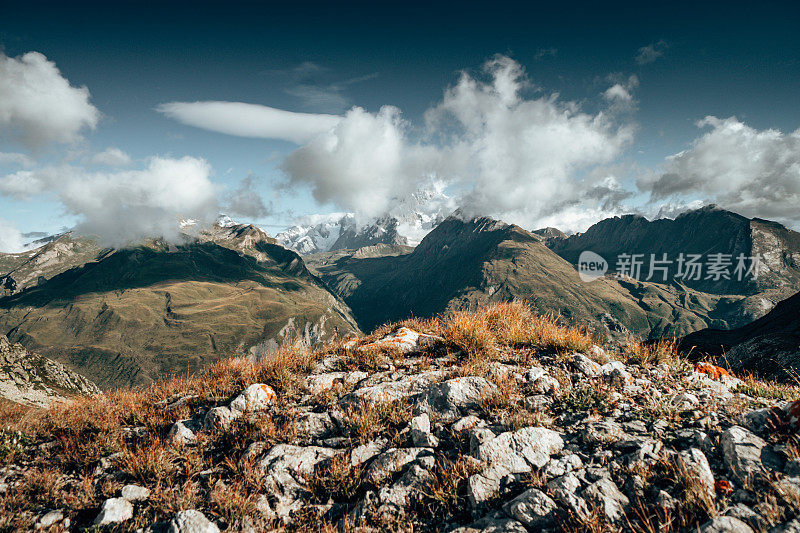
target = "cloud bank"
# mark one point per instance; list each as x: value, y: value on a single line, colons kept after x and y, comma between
x: 120, y: 207
x: 10, y: 238
x: 250, y: 120
x: 38, y: 105
x: 753, y: 172
x: 506, y: 154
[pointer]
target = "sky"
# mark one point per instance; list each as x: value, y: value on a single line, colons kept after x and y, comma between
x: 116, y: 119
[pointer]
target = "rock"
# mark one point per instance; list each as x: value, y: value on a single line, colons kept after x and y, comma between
x: 697, y: 466
x: 565, y: 491
x: 254, y: 398
x: 220, y: 418
x: 135, y: 493
x: 685, y: 400
x: 792, y: 526
x: 114, y: 511
x: 286, y: 470
x: 741, y: 452
x: 494, y: 523
x: 603, y: 432
x: 50, y: 519
x: 616, y: 374
x: 558, y: 467
x: 453, y: 397
x: 747, y: 515
x: 180, y: 433
x: 394, y: 500
x: 513, y: 452
x: 393, y: 390
x: 546, y: 385
x: 605, y: 495
x: 404, y: 340
x: 533, y: 508
x: 725, y: 524
x: 584, y: 365
x: 391, y: 462
x: 421, y: 432
x: 316, y: 425
x: 191, y: 521
x: 365, y: 452
x: 468, y: 422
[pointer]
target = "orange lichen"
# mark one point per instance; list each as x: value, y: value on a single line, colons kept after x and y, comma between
x: 723, y: 486
x: 268, y: 391
x: 712, y: 371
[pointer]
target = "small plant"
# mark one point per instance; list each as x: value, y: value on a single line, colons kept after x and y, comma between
x: 337, y: 479
x: 445, y: 494
x: 12, y: 443
x: 593, y: 398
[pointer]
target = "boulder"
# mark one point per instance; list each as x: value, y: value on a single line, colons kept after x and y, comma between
x: 254, y: 398
x: 741, y: 452
x: 135, y: 493
x: 191, y: 521
x: 605, y: 495
x: 725, y: 524
x: 114, y: 511
x: 533, y: 508
x: 452, y: 398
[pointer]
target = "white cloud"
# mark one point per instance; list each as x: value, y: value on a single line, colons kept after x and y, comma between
x: 16, y: 159
x: 622, y: 91
x: 753, y: 172
x: 10, y: 238
x: 38, y: 105
x: 250, y: 120
x: 125, y: 206
x: 111, y: 157
x: 505, y: 155
x: 651, y: 52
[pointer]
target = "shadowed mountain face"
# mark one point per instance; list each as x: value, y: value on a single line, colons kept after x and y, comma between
x: 768, y: 347
x: 462, y: 264
x: 136, y: 314
x: 703, y: 232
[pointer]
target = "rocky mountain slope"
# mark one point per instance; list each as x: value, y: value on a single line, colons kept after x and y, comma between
x: 133, y: 315
x: 462, y: 264
x: 706, y: 231
x: 31, y: 379
x: 488, y: 421
x: 769, y: 347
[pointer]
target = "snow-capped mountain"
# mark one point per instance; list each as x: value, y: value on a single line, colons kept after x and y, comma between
x: 406, y: 223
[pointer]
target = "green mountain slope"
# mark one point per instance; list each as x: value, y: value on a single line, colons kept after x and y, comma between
x: 136, y: 314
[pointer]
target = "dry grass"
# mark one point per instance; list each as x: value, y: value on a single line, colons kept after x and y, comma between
x: 368, y: 420
x: 768, y: 389
x: 336, y: 479
x: 662, y: 351
x: 445, y: 495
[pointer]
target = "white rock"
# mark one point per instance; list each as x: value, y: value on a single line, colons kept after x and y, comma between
x: 585, y: 366
x: 451, y: 398
x: 741, y: 452
x: 605, y: 495
x: 191, y: 521
x: 697, y: 464
x: 391, y: 462
x: 135, y: 493
x: 50, y: 519
x: 468, y: 422
x: 685, y: 400
x: 533, y: 508
x: 421, y: 432
x: 725, y: 524
x: 220, y: 418
x: 114, y: 511
x: 365, y: 452
x: 254, y: 398
x: 180, y: 434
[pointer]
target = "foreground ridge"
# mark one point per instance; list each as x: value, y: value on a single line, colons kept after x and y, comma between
x: 494, y: 420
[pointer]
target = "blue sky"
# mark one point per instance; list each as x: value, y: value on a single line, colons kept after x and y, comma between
x: 721, y: 60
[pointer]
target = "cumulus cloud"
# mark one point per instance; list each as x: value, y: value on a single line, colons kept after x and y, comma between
x: 622, y: 91
x: 245, y: 201
x: 125, y: 206
x: 753, y: 172
x: 38, y: 105
x: 651, y: 52
x: 250, y: 120
x: 10, y: 238
x: 111, y: 157
x: 16, y: 159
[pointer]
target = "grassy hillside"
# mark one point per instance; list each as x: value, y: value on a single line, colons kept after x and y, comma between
x: 139, y: 313
x: 461, y: 265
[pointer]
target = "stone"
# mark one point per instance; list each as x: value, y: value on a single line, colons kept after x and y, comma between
x: 685, y: 401
x: 564, y: 490
x: 394, y: 499
x: 405, y: 340
x: 558, y: 467
x: 533, y: 508
x: 135, y: 493
x: 584, y: 365
x: 521, y: 450
x: 494, y: 523
x: 792, y: 526
x: 114, y: 511
x: 220, y: 418
x: 697, y: 466
x: 603, y: 432
x: 546, y: 385
x: 254, y: 398
x: 180, y: 434
x: 191, y: 521
x: 391, y: 462
x: 421, y: 432
x: 315, y: 425
x: 453, y: 397
x: 605, y: 495
x: 741, y: 452
x: 467, y: 422
x: 50, y: 519
x: 725, y: 524
x: 393, y: 390
x: 365, y: 452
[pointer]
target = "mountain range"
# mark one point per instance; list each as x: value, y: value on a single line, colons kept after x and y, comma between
x: 131, y: 315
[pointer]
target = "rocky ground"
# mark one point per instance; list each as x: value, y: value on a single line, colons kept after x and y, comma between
x: 31, y: 379
x: 488, y: 421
